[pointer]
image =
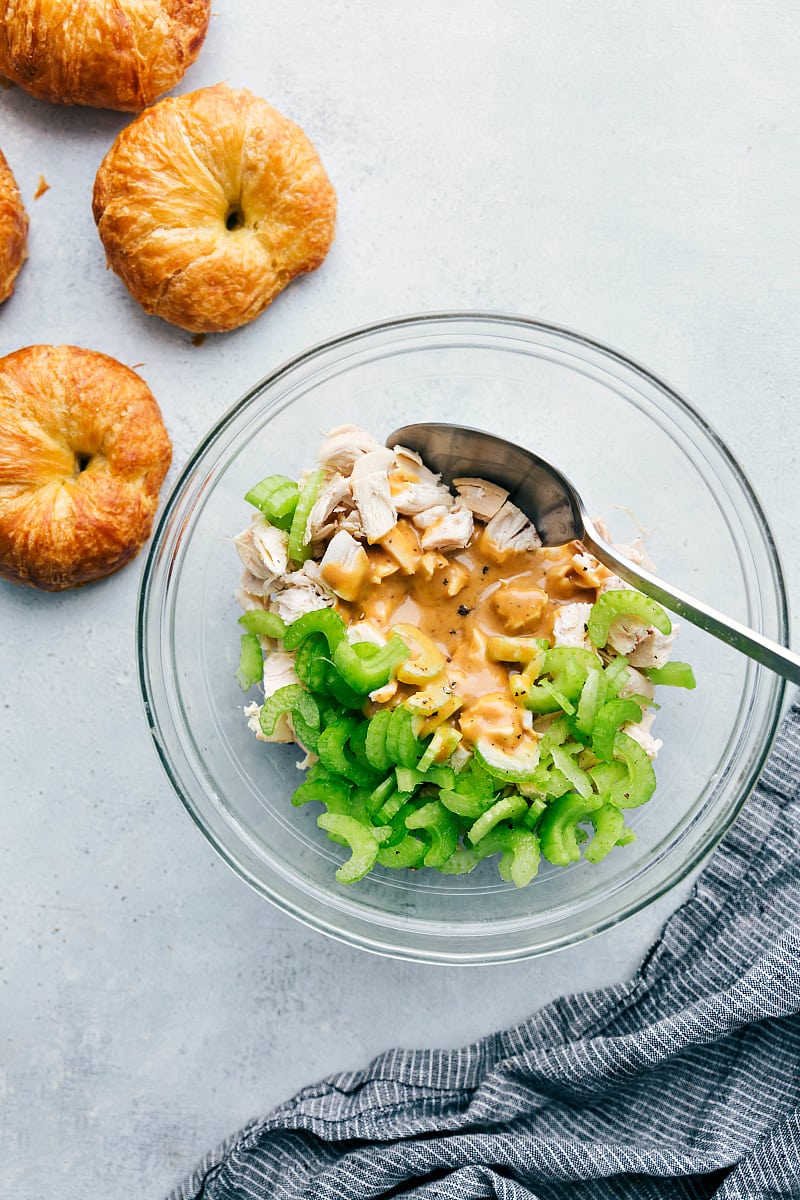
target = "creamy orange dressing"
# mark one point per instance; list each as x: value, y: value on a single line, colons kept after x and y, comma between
x: 461, y: 601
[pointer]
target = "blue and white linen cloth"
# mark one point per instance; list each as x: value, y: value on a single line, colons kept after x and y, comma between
x: 684, y: 1082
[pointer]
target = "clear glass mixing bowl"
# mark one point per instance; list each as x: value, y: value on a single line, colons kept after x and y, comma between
x: 637, y: 452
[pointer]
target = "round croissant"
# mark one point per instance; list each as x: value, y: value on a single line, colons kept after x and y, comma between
x: 209, y: 204
x: 105, y: 53
x: 13, y: 230
x: 83, y: 453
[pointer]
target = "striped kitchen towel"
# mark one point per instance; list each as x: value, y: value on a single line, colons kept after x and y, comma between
x: 684, y: 1082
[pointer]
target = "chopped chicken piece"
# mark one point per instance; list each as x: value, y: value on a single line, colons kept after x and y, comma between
x: 519, y: 608
x: 262, y: 548
x: 344, y: 566
x: 383, y: 695
x: 637, y: 685
x: 483, y: 498
x: 451, y: 531
x: 640, y: 732
x: 510, y: 531
x: 301, y: 594
x: 654, y: 650
x: 414, y: 486
x: 429, y: 516
x: 343, y: 446
x: 402, y: 544
x: 372, y: 494
x: 332, y: 494
x: 569, y: 626
x: 365, y: 631
x: 254, y: 591
x: 612, y: 583
x: 642, y: 645
x: 349, y: 519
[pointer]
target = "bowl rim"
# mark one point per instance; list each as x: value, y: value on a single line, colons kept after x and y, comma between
x: 374, y: 942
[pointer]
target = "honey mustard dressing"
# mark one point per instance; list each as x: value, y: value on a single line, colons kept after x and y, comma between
x: 459, y: 602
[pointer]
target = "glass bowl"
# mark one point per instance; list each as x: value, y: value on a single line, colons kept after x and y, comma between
x: 637, y: 452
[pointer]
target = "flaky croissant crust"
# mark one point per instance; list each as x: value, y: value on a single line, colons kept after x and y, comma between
x: 83, y: 453
x: 209, y: 204
x: 119, y: 54
x: 13, y: 230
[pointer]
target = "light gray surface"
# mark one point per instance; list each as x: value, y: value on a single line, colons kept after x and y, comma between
x: 626, y: 170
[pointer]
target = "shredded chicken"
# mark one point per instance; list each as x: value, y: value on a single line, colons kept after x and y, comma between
x: 301, y: 594
x: 262, y: 549
x: 344, y: 565
x: 414, y: 486
x: 642, y: 645
x: 638, y: 685
x: 450, y: 531
x: 569, y: 626
x: 484, y: 499
x: 640, y: 732
x: 510, y: 529
x: 343, y: 446
x: 335, y: 491
x: 372, y: 493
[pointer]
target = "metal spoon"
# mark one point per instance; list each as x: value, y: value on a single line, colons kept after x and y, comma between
x: 558, y: 514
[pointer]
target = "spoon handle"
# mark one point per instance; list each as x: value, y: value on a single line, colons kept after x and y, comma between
x: 778, y: 658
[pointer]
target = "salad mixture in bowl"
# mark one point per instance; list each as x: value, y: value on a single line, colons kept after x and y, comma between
x: 458, y: 690
x: 460, y: 702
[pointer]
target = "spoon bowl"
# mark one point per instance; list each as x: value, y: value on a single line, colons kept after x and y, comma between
x: 559, y: 515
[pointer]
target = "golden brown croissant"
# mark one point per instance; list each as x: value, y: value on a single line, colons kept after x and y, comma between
x: 105, y: 53
x: 13, y: 230
x: 83, y: 453
x: 209, y: 204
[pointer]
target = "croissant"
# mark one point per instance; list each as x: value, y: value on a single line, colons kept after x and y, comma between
x: 13, y: 230
x: 119, y: 54
x: 209, y: 204
x: 83, y: 454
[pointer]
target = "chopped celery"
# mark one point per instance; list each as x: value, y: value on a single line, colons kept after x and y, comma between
x: 276, y: 497
x: 298, y: 548
x: 362, y: 842
x: 322, y: 620
x: 303, y: 711
x: 612, y: 715
x: 641, y: 778
x: 251, y: 662
x: 441, y: 828
x: 672, y: 674
x: 508, y: 808
x: 266, y: 624
x: 366, y: 672
x: 558, y: 828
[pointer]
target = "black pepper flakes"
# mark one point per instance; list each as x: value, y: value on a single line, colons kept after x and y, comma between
x: 464, y: 610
